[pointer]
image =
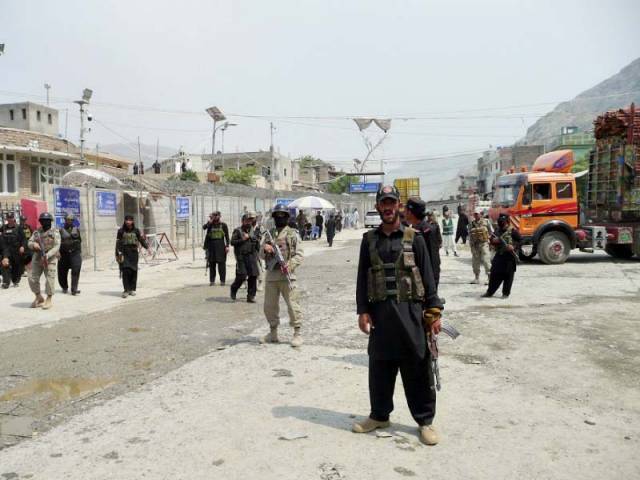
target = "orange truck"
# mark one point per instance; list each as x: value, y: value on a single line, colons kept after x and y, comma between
x: 544, y: 205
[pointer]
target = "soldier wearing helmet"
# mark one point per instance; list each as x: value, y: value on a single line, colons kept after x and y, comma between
x: 70, y: 255
x: 285, y: 239
x: 397, y: 305
x: 45, y: 244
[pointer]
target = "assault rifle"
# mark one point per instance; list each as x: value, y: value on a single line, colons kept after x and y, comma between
x: 504, y: 244
x: 279, y: 258
x: 432, y: 340
x: 43, y: 253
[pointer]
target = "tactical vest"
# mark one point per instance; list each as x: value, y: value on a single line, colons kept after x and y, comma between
x: 48, y: 238
x: 69, y: 240
x: 216, y: 232
x: 508, y: 240
x: 129, y: 238
x: 285, y: 242
x: 447, y: 226
x: 479, y: 232
x: 400, y: 280
x: 10, y: 235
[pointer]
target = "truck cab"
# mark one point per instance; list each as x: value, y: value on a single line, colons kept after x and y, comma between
x: 543, y: 206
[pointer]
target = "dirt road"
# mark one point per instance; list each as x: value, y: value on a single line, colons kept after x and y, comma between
x: 543, y: 385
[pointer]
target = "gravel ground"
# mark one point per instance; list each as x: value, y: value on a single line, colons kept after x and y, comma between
x: 542, y: 385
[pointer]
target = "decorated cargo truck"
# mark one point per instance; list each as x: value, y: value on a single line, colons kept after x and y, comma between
x: 544, y: 205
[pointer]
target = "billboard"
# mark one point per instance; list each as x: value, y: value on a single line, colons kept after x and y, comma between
x: 182, y: 207
x: 66, y: 200
x: 106, y: 204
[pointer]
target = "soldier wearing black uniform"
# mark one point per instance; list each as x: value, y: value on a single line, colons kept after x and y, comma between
x: 246, y: 244
x: 330, y: 229
x: 128, y: 240
x: 397, y: 302
x: 216, y: 244
x: 14, y: 246
x: 416, y: 215
x: 70, y: 255
x: 505, y: 241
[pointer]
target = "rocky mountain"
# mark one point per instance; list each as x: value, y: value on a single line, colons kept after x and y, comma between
x: 147, y: 152
x: 615, y: 92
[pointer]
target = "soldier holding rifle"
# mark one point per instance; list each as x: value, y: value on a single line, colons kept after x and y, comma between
x: 397, y: 306
x: 283, y: 254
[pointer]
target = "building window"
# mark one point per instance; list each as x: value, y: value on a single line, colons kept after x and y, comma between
x: 35, y: 179
x: 542, y: 191
x: 24, y: 113
x: 11, y: 115
x: 8, y: 175
x: 38, y: 115
x: 285, y: 172
x: 49, y: 119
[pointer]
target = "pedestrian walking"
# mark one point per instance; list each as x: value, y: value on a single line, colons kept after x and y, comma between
x: 216, y: 245
x: 330, y: 229
x: 462, y: 230
x: 416, y: 215
x: 70, y: 255
x: 246, y: 244
x: 505, y: 241
x: 356, y: 218
x: 128, y: 241
x: 45, y: 244
x: 12, y: 250
x: 479, y: 231
x: 432, y: 218
x: 447, y: 233
x: 397, y: 305
x: 319, y: 223
x: 280, y: 279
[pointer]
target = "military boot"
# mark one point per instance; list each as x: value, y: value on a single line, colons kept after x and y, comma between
x: 368, y: 425
x: 428, y: 435
x: 39, y: 300
x: 47, y: 303
x: 296, y: 341
x: 271, y: 337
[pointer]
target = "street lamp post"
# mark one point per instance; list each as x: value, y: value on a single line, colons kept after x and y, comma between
x: 86, y: 96
x: 216, y: 114
x: 223, y: 128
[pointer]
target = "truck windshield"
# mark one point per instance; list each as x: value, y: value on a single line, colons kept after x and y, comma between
x: 507, y: 195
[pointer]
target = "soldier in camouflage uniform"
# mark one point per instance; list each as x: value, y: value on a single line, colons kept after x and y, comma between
x: 44, y: 261
x: 276, y: 283
x: 479, y: 231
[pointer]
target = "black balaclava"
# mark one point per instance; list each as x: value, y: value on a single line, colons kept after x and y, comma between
x: 46, y: 224
x: 280, y: 221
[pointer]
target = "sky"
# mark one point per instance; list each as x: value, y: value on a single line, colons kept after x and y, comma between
x: 454, y: 76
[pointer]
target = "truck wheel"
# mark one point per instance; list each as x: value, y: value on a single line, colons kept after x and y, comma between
x: 527, y: 253
x: 619, y: 251
x: 554, y: 248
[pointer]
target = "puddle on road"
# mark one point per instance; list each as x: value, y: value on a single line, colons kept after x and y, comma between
x: 59, y: 389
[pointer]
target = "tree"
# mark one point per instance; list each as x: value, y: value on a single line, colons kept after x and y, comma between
x: 243, y: 176
x: 189, y: 176
x: 310, y: 161
x: 340, y: 184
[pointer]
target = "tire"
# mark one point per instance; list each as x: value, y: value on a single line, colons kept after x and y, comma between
x: 527, y: 258
x: 554, y: 248
x: 624, y: 252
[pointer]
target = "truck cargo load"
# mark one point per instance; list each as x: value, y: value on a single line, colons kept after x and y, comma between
x: 407, y: 187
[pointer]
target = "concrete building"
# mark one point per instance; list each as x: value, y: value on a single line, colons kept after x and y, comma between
x: 580, y: 142
x: 525, y: 155
x: 489, y: 169
x: 29, y: 116
x: 262, y: 161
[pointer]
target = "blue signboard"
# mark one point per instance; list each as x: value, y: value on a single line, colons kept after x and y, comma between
x: 364, y: 187
x: 182, y: 207
x: 66, y: 200
x: 283, y: 201
x: 106, y: 204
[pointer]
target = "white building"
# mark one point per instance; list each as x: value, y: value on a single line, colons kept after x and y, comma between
x: 29, y: 116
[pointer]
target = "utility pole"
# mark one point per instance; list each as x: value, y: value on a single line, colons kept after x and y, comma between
x: 273, y: 159
x: 47, y: 88
x: 86, y: 96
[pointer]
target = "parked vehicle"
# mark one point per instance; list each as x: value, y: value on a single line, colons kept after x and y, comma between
x: 372, y: 219
x: 543, y: 204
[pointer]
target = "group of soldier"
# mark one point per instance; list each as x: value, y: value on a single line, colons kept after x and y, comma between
x: 51, y: 252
